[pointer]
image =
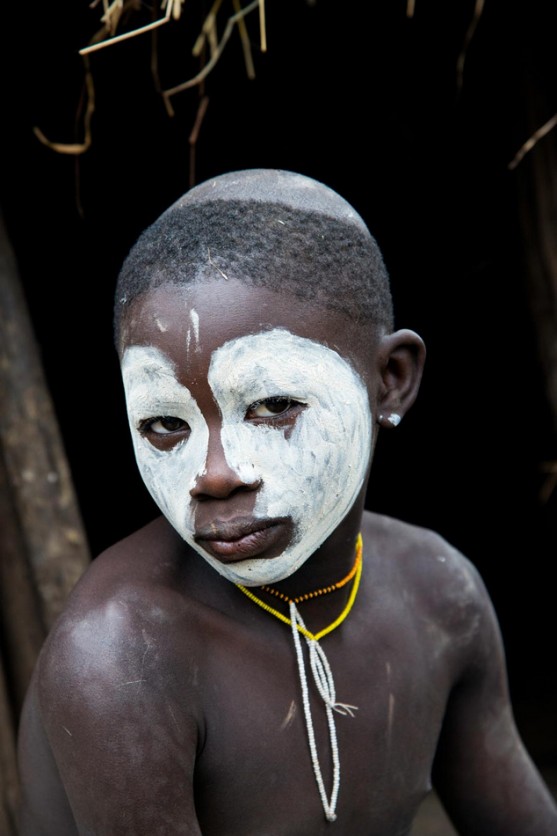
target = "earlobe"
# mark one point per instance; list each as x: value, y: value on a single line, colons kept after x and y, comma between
x: 401, y: 357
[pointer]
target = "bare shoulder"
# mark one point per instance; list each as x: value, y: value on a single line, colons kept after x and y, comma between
x: 435, y: 581
x: 129, y: 599
x: 115, y: 685
x: 420, y: 555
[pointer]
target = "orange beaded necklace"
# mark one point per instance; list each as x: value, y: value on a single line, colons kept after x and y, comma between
x: 324, y: 590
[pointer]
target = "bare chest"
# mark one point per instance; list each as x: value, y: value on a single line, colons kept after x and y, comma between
x: 273, y: 758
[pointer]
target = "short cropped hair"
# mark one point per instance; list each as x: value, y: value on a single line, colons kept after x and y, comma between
x: 268, y: 228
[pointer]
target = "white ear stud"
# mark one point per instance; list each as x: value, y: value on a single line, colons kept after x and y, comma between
x: 394, y: 419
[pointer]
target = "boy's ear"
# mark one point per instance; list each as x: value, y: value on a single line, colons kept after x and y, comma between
x: 401, y: 358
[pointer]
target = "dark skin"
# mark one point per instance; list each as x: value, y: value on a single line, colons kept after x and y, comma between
x: 166, y: 702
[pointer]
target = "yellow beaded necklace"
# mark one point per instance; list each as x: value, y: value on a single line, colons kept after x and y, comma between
x: 356, y: 571
x: 321, y: 671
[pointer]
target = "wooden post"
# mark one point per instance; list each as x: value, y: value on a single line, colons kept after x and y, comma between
x: 43, y: 547
x: 9, y: 784
x: 37, y: 470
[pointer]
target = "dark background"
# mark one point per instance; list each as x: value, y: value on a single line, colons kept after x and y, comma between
x: 368, y: 102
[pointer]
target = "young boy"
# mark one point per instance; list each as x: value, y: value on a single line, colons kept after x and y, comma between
x: 268, y: 658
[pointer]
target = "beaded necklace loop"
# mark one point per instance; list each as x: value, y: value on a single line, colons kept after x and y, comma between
x: 321, y: 671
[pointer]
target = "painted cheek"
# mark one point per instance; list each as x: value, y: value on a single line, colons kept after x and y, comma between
x: 311, y: 469
x: 151, y: 389
x: 170, y: 476
x: 313, y: 472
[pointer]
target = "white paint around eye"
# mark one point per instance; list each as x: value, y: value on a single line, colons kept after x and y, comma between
x: 152, y: 390
x: 312, y: 474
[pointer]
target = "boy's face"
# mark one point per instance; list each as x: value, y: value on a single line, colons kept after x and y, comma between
x: 251, y: 430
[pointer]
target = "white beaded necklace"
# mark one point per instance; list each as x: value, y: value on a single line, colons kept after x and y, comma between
x: 323, y: 679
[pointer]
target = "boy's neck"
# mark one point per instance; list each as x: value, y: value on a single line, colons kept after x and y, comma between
x: 330, y: 565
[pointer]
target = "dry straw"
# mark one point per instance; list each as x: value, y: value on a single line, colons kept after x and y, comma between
x: 208, y: 42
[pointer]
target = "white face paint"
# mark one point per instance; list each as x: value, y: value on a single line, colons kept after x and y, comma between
x: 152, y: 390
x: 311, y: 473
x: 194, y: 317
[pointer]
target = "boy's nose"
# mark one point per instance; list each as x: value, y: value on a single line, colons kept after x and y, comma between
x: 219, y: 480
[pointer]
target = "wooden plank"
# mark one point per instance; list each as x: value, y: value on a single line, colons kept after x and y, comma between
x: 37, y: 470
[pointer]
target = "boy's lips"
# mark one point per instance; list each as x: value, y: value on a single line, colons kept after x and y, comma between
x: 241, y: 539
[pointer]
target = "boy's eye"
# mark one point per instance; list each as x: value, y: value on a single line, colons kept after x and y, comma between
x: 272, y: 407
x: 162, y: 425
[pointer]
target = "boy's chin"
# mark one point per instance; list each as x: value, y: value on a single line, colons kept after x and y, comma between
x: 257, y: 571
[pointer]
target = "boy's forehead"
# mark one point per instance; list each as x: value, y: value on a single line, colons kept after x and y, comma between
x: 208, y: 314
